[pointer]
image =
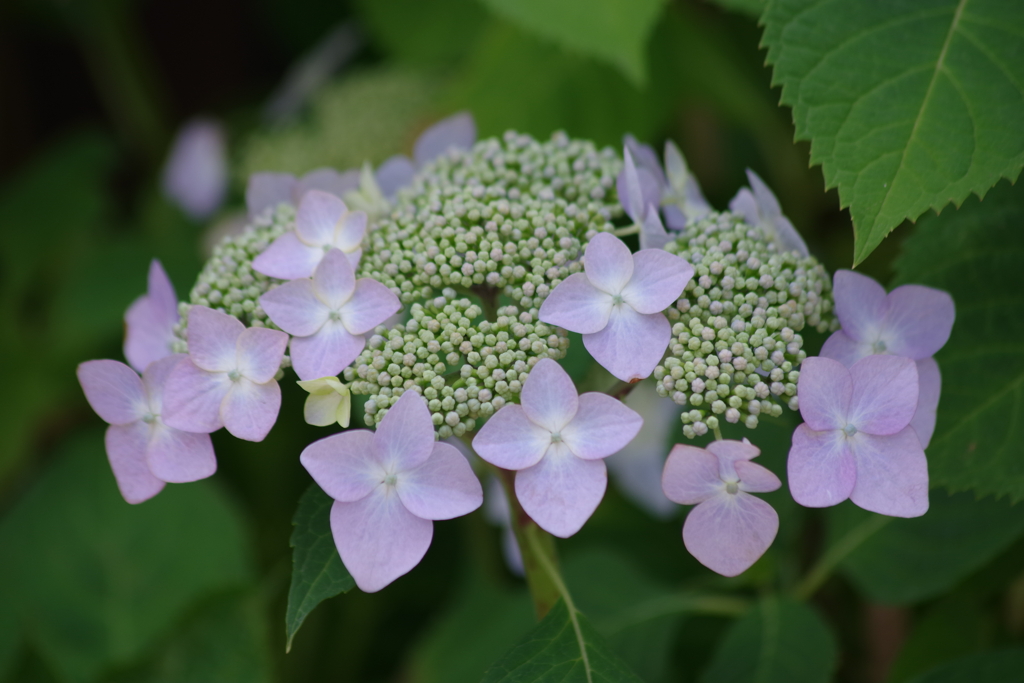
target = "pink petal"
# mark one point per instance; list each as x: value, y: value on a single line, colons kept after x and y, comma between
x: 782, y: 230
x: 350, y: 231
x: 395, y: 173
x: 287, y: 258
x: 645, y: 158
x: 918, y: 322
x: 652, y: 232
x: 126, y: 451
x: 732, y: 451
x: 176, y: 456
x: 318, y: 215
x: 344, y: 465
x: 691, y: 475
x: 371, y: 304
x: 249, y: 410
x: 632, y: 344
x: 821, y: 467
x: 608, y: 263
x: 195, y: 176
x: 884, y: 394
x: 861, y: 305
x: 295, y: 307
x: 113, y: 390
x: 455, y: 132
x: 843, y: 348
x: 892, y: 474
x: 930, y: 386
x: 754, y: 478
x: 443, y: 487
x: 150, y: 320
x: 602, y: 426
x: 637, y: 188
x: 260, y: 352
x: 268, y: 190
x: 192, y: 398
x: 326, y: 352
x: 658, y: 280
x: 155, y: 378
x: 549, y: 397
x: 510, y: 440
x: 327, y: 180
x: 405, y: 437
x: 728, y: 533
x: 334, y: 280
x: 825, y: 389
x: 561, y: 491
x: 378, y: 539
x: 161, y: 291
x: 577, y: 305
x: 213, y: 338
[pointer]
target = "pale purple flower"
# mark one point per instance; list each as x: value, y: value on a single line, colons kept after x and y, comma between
x: 195, y: 176
x: 556, y: 440
x: 617, y: 304
x: 328, y: 314
x: 683, y: 199
x: 912, y: 321
x: 729, y: 529
x: 639, y: 195
x: 144, y: 452
x: 497, y: 512
x: 227, y: 380
x: 267, y: 190
x: 322, y: 223
x: 761, y: 209
x: 674, y: 189
x: 856, y: 441
x: 388, y: 487
x: 149, y: 322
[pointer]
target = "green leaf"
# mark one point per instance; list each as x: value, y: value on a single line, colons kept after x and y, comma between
x: 752, y: 8
x: 908, y: 105
x: 955, y: 627
x: 908, y: 560
x: 779, y: 641
x: 317, y: 571
x: 985, y: 667
x: 612, y: 31
x: 975, y: 254
x: 424, y: 33
x: 563, y: 648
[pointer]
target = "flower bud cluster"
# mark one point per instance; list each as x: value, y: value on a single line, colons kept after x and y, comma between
x: 736, y: 340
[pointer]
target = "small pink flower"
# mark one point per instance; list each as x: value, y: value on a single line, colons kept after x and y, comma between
x: 556, y: 440
x: 328, y: 314
x: 227, y: 380
x: 388, y: 486
x: 267, y: 190
x: 150, y: 320
x: 143, y: 450
x: 729, y: 529
x: 617, y: 304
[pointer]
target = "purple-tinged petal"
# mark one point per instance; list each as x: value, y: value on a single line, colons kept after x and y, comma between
x: 370, y: 305
x: 213, y: 338
x: 378, y: 539
x: 675, y: 219
x: 608, y: 263
x: 843, y: 348
x: 192, y: 398
x: 821, y: 468
x: 318, y: 215
x: 732, y: 451
x: 601, y: 426
x: 892, y: 474
x: 728, y: 533
x: 444, y: 487
x: 334, y: 280
x: 659, y: 278
x: 113, y: 390
x: 918, y: 322
x: 782, y: 230
x: 344, y: 465
x: 511, y: 552
x: 126, y: 451
x: 577, y: 305
x: 861, y: 305
x: 395, y: 173
x: 287, y: 258
x: 458, y: 131
x: 685, y: 187
x: 195, y: 176
x: 295, y: 307
x: 884, y: 394
x: 825, y: 389
x: 632, y: 344
x: 150, y: 321
x: 652, y: 232
x: 745, y: 205
x: 326, y: 180
x: 350, y: 232
x: 510, y: 440
x: 637, y: 189
x: 691, y: 475
x: 549, y: 397
x: 561, y: 492
x: 178, y: 457
x: 929, y: 381
x: 645, y: 158
x: 250, y: 410
x: 260, y: 352
x: 754, y: 478
x: 326, y: 352
x: 405, y: 437
x: 266, y: 190
x: 155, y: 378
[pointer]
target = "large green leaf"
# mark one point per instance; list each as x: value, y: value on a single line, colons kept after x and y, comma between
x: 909, y: 105
x: 958, y: 625
x: 613, y: 31
x: 975, y: 254
x: 317, y: 571
x: 779, y: 641
x: 985, y: 667
x: 563, y: 648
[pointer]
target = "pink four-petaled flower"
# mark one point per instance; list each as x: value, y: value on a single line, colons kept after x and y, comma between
x: 150, y: 320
